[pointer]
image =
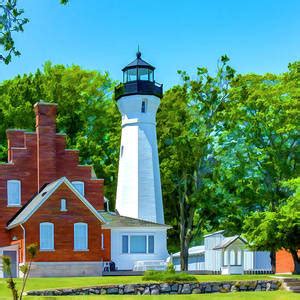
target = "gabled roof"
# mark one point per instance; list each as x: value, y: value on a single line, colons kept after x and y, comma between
x: 228, y: 241
x: 40, y: 198
x: 114, y: 220
x: 193, y: 251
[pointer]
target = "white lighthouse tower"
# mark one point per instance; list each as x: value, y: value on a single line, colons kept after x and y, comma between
x: 139, y: 187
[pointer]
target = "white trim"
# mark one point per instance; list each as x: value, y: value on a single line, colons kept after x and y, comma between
x: 19, y: 190
x: 69, y: 184
x: 102, y: 241
x: 24, y: 246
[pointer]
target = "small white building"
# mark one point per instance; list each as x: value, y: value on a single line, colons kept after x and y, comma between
x: 227, y: 255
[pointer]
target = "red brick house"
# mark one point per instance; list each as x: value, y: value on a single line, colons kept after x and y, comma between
x: 47, y: 198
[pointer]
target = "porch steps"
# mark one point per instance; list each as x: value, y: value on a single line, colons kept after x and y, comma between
x: 291, y: 284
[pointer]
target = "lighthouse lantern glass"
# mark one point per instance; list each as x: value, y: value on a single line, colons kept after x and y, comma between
x: 145, y: 74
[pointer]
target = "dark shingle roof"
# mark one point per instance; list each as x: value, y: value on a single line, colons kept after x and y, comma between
x: 114, y: 220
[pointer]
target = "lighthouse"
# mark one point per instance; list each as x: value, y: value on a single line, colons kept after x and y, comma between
x: 139, y: 187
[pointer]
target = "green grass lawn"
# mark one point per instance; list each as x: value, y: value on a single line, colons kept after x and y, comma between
x: 278, y: 295
x: 73, y: 282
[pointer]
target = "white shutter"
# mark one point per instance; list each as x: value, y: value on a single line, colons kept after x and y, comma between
x: 13, y: 192
x: 80, y: 236
x: 46, y: 236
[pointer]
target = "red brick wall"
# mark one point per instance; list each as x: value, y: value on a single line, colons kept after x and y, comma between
x: 284, y: 262
x: 39, y: 158
x: 64, y: 229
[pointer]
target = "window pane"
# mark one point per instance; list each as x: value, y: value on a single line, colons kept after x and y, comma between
x: 80, y: 236
x: 46, y: 236
x: 13, y: 192
x: 138, y: 244
x: 132, y: 75
x: 150, y: 244
x: 143, y: 74
x: 79, y: 186
x: 63, y: 205
x: 232, y: 258
x: 125, y: 244
x: 239, y: 257
x: 225, y: 258
x: 143, y: 108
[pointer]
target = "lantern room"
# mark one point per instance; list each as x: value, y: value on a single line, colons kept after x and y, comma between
x: 138, y: 78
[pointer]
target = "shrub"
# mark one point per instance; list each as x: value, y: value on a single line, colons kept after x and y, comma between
x: 168, y: 276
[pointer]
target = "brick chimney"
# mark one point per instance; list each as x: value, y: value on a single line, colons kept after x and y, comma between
x: 15, y: 139
x: 45, y: 114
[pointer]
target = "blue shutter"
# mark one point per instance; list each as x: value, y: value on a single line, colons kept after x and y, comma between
x: 80, y: 236
x: 151, y: 244
x: 124, y: 243
x: 46, y: 236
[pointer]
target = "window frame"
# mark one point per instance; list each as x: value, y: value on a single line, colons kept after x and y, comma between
x: 19, y: 190
x: 52, y: 235
x: 86, y: 236
x: 63, y: 205
x: 130, y: 235
x: 83, y: 186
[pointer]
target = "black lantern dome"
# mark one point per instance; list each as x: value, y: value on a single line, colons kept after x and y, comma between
x: 138, y: 79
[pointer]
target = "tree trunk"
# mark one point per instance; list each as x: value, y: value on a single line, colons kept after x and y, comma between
x: 273, y: 260
x: 183, y: 229
x: 296, y: 259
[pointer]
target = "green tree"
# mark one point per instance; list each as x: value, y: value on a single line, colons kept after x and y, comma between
x: 12, y: 20
x: 86, y: 113
x: 6, y: 262
x: 274, y: 230
x: 187, y: 125
x: 258, y: 144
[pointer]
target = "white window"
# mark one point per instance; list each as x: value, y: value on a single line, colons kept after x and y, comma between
x: 138, y: 244
x: 63, y: 205
x: 80, y: 236
x: 46, y: 236
x: 79, y: 186
x: 102, y: 241
x: 225, y: 256
x: 239, y: 258
x: 13, y: 192
x: 232, y: 258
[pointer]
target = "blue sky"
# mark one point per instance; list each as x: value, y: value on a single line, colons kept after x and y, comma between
x: 259, y: 36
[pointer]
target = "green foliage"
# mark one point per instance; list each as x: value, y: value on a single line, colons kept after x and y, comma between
x: 86, y: 113
x: 187, y: 125
x: 170, y: 268
x: 168, y: 276
x: 25, y: 269
x: 274, y: 230
x: 11, y: 21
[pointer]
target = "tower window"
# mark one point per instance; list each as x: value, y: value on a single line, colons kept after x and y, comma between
x: 122, y: 150
x: 143, y: 108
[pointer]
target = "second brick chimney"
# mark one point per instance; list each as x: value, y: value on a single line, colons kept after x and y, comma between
x: 46, y: 143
